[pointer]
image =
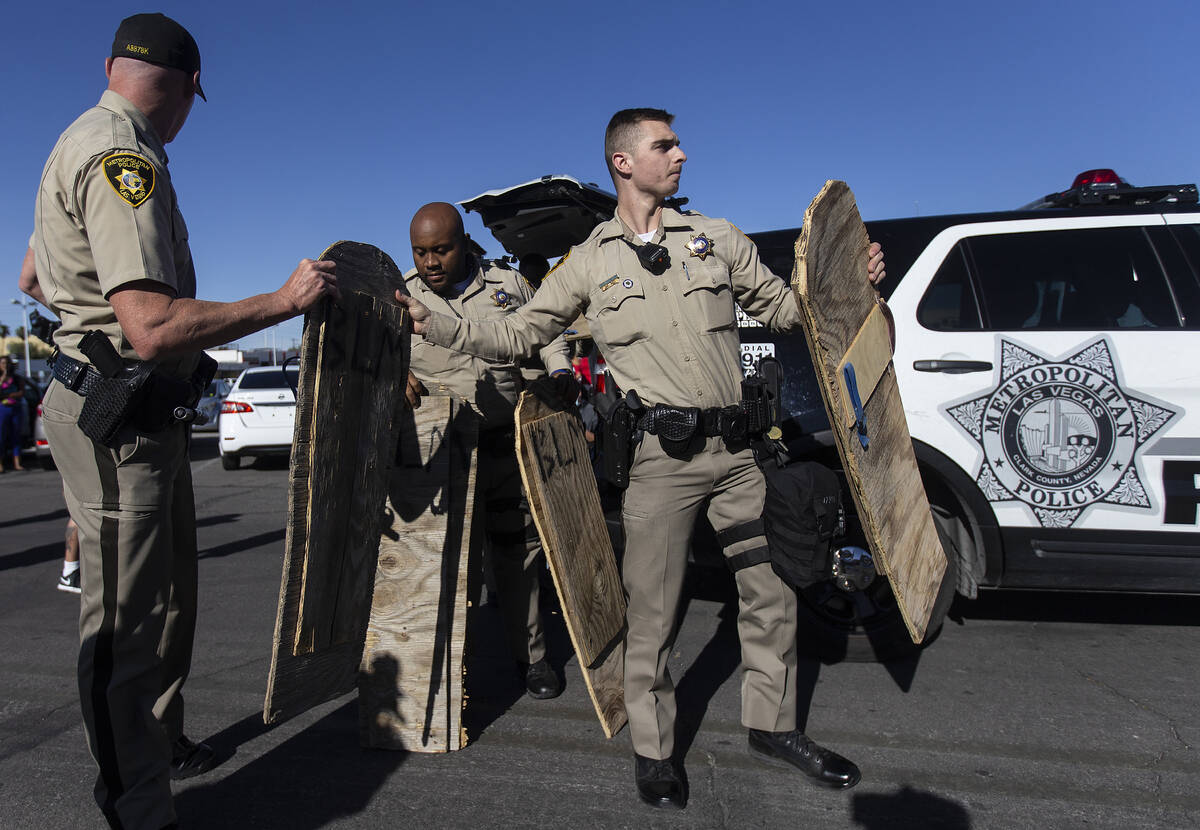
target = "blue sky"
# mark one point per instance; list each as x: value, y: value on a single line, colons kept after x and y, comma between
x: 330, y: 121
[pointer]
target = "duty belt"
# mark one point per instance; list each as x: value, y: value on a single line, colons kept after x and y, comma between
x: 74, y: 374
x: 680, y: 423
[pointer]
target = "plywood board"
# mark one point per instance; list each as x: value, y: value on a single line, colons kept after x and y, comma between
x: 830, y: 281
x: 353, y: 371
x: 565, y: 504
x: 411, y: 683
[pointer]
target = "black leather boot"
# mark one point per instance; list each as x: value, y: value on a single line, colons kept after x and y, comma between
x: 541, y: 681
x: 824, y: 766
x: 660, y: 783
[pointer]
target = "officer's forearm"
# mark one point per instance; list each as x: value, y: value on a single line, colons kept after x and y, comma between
x: 158, y: 324
x: 492, y: 340
x: 556, y: 355
x: 27, y: 282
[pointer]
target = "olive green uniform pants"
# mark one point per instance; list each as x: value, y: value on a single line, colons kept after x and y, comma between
x: 137, y: 544
x: 658, y: 514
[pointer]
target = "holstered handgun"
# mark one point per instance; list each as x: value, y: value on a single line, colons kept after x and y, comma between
x: 619, y: 417
x: 762, y: 394
x: 119, y: 393
x: 135, y: 394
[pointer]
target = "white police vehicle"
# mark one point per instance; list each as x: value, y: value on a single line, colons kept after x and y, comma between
x: 1047, y: 359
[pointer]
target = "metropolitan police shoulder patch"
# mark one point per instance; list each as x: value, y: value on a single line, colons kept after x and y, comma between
x: 131, y: 176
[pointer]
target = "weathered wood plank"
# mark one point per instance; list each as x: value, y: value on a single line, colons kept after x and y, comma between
x: 411, y: 681
x: 353, y: 368
x: 831, y: 285
x: 566, y: 508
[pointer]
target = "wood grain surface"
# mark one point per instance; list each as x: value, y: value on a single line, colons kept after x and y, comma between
x: 565, y: 503
x: 353, y: 370
x: 411, y: 680
x: 830, y: 281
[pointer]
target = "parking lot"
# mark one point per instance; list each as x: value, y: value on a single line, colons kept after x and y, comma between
x: 1030, y: 710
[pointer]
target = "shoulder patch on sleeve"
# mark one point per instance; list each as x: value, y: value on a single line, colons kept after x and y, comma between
x: 130, y: 175
x: 560, y: 262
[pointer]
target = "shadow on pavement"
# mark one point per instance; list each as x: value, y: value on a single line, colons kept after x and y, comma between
x: 41, y: 517
x: 33, y: 556
x: 306, y: 782
x: 209, y: 521
x: 1079, y: 607
x: 491, y: 683
x: 908, y: 809
x: 239, y: 545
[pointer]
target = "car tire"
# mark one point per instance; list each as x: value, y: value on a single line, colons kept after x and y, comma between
x: 229, y: 461
x: 866, y: 626
x: 47, y: 462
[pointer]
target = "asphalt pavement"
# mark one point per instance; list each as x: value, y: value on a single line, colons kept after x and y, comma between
x: 1030, y: 710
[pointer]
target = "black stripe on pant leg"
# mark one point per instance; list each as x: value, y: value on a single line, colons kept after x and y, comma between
x: 102, y: 661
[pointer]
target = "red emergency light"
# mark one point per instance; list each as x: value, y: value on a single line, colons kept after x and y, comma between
x: 1099, y: 176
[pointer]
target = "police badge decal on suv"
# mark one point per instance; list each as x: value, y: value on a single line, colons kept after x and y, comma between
x: 1061, y: 435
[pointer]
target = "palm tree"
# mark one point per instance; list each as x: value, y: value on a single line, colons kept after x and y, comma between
x: 4, y: 330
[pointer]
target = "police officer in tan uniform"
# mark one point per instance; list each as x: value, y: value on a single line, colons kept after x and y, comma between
x: 111, y: 256
x: 658, y: 288
x: 448, y: 277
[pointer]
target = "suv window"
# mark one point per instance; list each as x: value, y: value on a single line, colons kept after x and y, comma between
x: 1183, y: 277
x: 1098, y: 278
x: 949, y: 304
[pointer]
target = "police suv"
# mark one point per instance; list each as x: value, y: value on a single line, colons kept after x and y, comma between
x: 1047, y: 359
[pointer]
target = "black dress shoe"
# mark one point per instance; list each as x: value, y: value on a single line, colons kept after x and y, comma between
x: 659, y: 783
x: 824, y: 766
x: 541, y: 681
x: 190, y: 758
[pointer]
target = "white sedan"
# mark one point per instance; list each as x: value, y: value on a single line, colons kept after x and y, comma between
x: 258, y: 415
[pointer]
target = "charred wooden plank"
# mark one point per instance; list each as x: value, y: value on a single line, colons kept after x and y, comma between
x: 353, y: 371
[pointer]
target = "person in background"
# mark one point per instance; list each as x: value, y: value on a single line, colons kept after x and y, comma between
x: 534, y: 268
x: 69, y: 581
x: 451, y: 277
x: 12, y: 405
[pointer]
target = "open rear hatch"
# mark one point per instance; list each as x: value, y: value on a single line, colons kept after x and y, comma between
x: 545, y: 216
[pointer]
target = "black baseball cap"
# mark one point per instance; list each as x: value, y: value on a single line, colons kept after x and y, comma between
x: 156, y: 38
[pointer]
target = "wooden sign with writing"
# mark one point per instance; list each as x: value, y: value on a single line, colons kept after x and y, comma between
x: 353, y: 371
x: 411, y: 682
x: 848, y: 336
x: 566, y: 508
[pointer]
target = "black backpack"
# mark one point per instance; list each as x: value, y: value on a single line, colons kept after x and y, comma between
x: 802, y: 515
x: 803, y: 509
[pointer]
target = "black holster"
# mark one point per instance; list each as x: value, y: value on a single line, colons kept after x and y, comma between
x: 135, y: 394
x: 617, y: 435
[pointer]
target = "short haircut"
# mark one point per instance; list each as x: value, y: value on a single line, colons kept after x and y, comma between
x: 622, y: 131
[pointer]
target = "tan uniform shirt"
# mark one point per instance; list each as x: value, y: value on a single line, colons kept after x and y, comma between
x: 673, y: 338
x: 495, y: 293
x: 106, y: 216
